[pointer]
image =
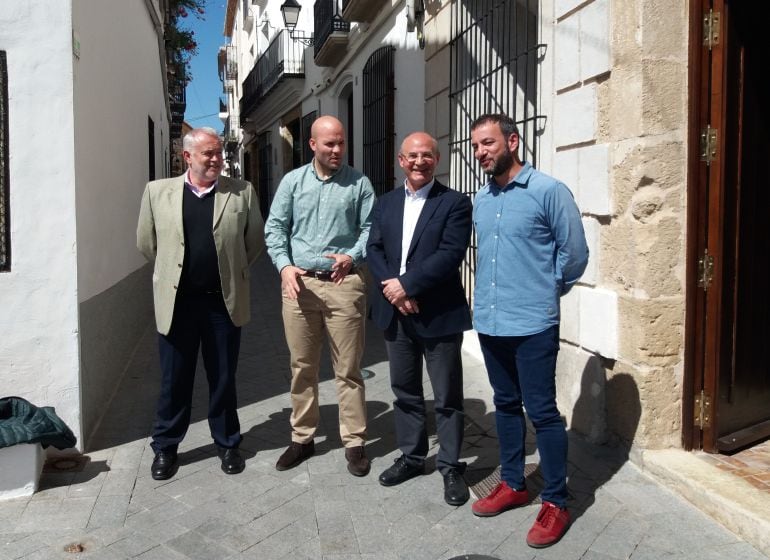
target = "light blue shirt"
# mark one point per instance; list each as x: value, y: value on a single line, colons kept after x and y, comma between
x: 531, y: 251
x: 311, y: 217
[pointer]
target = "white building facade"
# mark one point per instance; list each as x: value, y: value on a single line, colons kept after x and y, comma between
x: 86, y: 125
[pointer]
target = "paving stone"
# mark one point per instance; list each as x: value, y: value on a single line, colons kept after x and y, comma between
x: 109, y: 511
x: 197, y: 547
x: 119, y: 483
x: 280, y: 543
x: 133, y: 545
x: 161, y: 552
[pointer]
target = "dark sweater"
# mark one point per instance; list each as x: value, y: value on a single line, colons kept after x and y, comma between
x: 200, y: 271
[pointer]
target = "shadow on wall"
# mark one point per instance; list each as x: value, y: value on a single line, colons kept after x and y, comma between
x: 592, y: 465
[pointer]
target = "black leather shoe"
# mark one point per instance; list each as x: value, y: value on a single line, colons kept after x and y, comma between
x: 455, y: 488
x: 164, y: 466
x: 399, y: 472
x: 232, y: 461
x: 294, y: 455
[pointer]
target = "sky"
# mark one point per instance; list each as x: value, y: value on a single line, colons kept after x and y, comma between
x: 205, y: 89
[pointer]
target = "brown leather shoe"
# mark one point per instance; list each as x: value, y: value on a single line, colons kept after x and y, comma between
x: 294, y: 455
x: 358, y: 464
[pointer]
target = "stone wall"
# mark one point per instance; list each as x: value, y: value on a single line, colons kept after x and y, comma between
x: 630, y: 167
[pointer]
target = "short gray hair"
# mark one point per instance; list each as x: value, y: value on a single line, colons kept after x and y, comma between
x: 191, y: 138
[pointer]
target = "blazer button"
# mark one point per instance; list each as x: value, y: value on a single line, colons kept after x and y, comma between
x: 175, y: 287
x: 179, y: 265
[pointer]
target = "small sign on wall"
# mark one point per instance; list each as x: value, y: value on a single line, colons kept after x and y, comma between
x: 75, y: 44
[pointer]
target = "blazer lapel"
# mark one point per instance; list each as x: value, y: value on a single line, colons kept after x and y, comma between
x: 221, y: 196
x: 175, y: 199
x: 395, y: 219
x: 428, y: 209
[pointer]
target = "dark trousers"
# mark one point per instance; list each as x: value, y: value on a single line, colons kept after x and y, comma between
x: 444, y: 364
x: 200, y: 321
x: 522, y: 370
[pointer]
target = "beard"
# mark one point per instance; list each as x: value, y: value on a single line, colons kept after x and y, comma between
x: 502, y: 164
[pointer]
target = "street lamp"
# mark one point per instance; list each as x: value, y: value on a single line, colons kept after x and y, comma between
x: 290, y: 10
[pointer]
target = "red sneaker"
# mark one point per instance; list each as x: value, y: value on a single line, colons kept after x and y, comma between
x: 550, y: 525
x: 502, y: 498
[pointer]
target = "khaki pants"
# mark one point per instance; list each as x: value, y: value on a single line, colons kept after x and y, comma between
x: 340, y: 311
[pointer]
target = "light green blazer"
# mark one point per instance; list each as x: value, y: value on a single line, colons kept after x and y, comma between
x: 239, y: 236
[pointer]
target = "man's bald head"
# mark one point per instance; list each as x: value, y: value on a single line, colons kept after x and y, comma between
x: 421, y: 138
x: 327, y: 140
x: 418, y: 158
x: 326, y: 123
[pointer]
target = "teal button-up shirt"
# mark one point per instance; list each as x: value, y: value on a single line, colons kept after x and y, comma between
x: 310, y: 218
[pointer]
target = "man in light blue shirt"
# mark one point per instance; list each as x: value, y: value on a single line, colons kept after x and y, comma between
x: 316, y: 236
x: 531, y: 251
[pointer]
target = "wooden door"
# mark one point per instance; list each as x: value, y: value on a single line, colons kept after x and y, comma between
x: 729, y: 249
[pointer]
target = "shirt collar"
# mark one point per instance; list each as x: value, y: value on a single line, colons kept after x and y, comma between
x: 422, y: 192
x: 317, y: 176
x: 188, y: 184
x: 521, y: 178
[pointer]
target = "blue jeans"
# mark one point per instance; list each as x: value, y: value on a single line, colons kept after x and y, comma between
x: 522, y: 370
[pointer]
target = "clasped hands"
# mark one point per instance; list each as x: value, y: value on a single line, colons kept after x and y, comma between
x: 395, y: 294
x: 289, y: 274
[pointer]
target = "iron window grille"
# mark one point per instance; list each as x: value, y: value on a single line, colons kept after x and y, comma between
x: 494, y: 60
x: 378, y: 119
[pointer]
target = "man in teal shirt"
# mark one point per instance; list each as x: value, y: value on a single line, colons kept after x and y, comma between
x: 316, y: 235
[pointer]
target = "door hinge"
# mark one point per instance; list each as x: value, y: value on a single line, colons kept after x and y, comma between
x: 711, y: 29
x: 705, y: 270
x: 702, y: 410
x: 708, y: 144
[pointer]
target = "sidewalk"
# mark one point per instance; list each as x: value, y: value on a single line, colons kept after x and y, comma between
x: 108, y: 506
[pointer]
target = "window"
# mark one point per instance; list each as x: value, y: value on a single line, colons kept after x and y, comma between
x: 307, y: 123
x: 151, y: 147
x: 5, y: 211
x: 378, y: 119
x: 265, y: 180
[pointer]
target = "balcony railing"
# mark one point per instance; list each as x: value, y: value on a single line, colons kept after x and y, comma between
x: 177, y: 95
x: 231, y: 134
x: 331, y: 32
x: 282, y: 59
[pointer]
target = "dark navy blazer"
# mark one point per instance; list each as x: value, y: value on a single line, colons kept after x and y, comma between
x: 432, y: 274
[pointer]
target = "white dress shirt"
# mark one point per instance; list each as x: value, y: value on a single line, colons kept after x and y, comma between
x: 413, y: 203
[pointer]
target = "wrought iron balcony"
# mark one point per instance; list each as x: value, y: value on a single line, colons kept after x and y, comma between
x: 177, y: 96
x: 227, y: 63
x: 283, y: 58
x: 361, y: 10
x: 331, y: 33
x: 231, y: 134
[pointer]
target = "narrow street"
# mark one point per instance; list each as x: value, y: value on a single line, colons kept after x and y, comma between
x: 110, y: 508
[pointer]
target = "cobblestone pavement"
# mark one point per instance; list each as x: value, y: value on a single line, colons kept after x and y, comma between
x: 108, y: 507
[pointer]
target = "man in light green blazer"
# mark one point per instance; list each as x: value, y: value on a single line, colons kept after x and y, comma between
x: 203, y: 231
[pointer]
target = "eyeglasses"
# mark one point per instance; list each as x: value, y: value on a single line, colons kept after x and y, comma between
x: 412, y: 157
x: 210, y: 154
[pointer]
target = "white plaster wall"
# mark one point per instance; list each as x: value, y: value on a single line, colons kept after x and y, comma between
x: 389, y: 28
x: 38, y: 297
x: 118, y: 83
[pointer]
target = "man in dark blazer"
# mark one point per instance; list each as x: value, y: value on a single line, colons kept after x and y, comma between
x: 417, y: 241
